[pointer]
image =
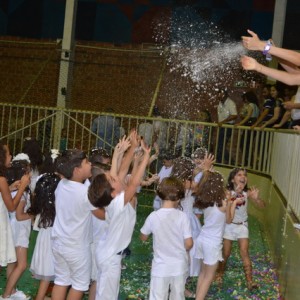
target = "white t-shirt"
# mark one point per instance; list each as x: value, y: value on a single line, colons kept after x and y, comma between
x: 226, y: 109
x: 121, y: 220
x: 214, y: 225
x: 164, y: 172
x: 73, y: 220
x: 99, y: 226
x: 169, y: 227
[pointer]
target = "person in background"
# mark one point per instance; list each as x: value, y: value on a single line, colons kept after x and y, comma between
x: 201, y: 134
x: 249, y: 114
x: 227, y: 114
x: 32, y: 148
x: 167, y: 157
x: 160, y: 129
x: 107, y: 128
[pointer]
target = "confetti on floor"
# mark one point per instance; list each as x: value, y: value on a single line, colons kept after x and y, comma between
x: 136, y: 276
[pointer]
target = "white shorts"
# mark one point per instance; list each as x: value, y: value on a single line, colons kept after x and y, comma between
x: 108, y: 279
x: 72, y: 265
x: 234, y: 232
x: 209, y: 252
x: 159, y: 287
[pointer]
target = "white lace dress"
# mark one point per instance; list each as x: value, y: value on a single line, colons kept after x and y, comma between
x: 7, y: 248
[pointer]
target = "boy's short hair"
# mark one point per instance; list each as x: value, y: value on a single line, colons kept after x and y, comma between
x: 68, y: 161
x: 97, y: 155
x: 171, y: 188
x: 199, y: 153
x: 99, y: 192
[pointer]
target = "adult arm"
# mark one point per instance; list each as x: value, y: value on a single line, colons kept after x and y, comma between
x: 275, y: 117
x: 249, y: 114
x: 261, y: 117
x: 250, y: 64
x: 253, y: 42
x: 283, y: 120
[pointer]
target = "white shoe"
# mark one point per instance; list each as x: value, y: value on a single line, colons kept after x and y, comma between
x: 19, y: 295
x: 1, y: 298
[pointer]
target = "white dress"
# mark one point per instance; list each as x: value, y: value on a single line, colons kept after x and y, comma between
x: 7, y: 248
x: 42, y: 266
x: 188, y: 207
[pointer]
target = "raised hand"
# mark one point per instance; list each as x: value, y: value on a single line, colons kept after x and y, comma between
x: 252, y: 42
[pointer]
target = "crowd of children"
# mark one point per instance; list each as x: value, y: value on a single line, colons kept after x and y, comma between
x: 84, y: 209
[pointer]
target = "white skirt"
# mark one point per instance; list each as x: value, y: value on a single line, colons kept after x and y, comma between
x: 42, y: 266
x: 7, y: 247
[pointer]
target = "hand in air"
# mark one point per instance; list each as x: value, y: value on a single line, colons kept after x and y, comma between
x: 253, y: 192
x: 249, y: 63
x: 208, y: 161
x: 251, y: 42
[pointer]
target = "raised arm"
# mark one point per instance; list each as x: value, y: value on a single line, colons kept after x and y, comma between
x: 137, y: 177
x: 128, y: 157
x: 253, y: 42
x: 250, y: 64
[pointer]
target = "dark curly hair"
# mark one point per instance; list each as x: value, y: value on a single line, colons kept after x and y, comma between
x: 230, y: 185
x: 43, y: 201
x: 210, y: 191
x: 183, y: 168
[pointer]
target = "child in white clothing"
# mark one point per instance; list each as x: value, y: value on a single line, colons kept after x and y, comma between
x: 21, y: 228
x: 165, y: 171
x: 183, y: 170
x: 72, y: 228
x: 109, y: 191
x: 172, y: 238
x: 210, y: 196
x: 8, y: 204
x: 43, y: 208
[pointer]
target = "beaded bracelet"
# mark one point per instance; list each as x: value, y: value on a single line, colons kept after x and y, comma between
x: 267, y: 49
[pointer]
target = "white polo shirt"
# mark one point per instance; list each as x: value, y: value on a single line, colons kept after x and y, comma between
x: 226, y: 109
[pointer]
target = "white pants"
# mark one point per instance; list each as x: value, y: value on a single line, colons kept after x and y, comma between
x: 160, y: 286
x: 108, y: 279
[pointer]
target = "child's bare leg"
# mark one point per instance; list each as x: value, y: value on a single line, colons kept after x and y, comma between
x: 17, y: 271
x: 227, y: 245
x: 59, y: 292
x: 92, y: 291
x: 244, y: 247
x: 74, y: 294
x: 205, y: 279
x: 43, y: 287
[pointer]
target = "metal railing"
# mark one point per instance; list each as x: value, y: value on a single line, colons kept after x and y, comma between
x: 270, y: 152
